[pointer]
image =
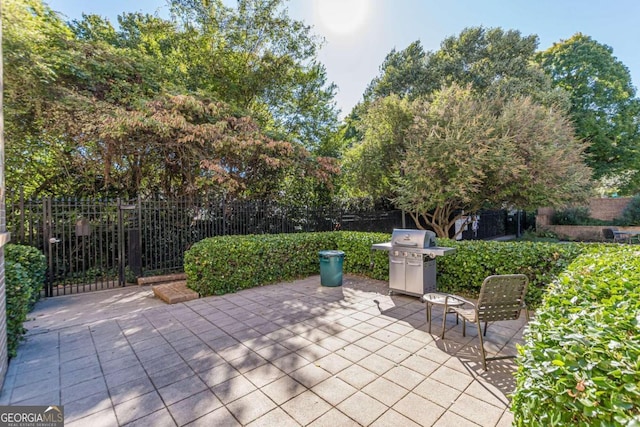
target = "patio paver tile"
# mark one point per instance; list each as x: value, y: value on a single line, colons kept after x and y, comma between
x: 404, y: 377
x: 129, y: 390
x: 283, y: 389
x: 290, y: 362
x: 419, y: 364
x: 219, y: 417
x: 353, y: 352
x: 306, y: 407
x: 385, y: 391
x: 437, y: 392
x: 357, y: 376
x: 310, y: 375
x: 419, y: 409
x: 334, y: 418
x: 194, y: 407
x: 393, y: 353
x: 452, y: 378
x: 82, y: 390
x: 334, y: 390
x: 106, y: 418
x: 277, y: 417
x: 451, y: 419
x: 362, y: 408
x: 161, y: 418
x: 333, y: 363
x: 84, y: 407
x: 138, y: 407
x: 376, y: 364
x: 392, y: 418
x: 250, y: 407
x: 173, y: 374
x: 476, y: 410
x: 264, y: 374
x: 233, y: 389
x: 313, y: 352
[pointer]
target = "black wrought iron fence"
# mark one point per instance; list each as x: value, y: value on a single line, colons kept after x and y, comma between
x: 95, y: 244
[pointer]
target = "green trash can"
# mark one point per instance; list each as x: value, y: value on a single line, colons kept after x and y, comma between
x: 331, y: 268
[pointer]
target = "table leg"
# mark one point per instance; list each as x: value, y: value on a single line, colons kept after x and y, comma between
x: 428, y: 308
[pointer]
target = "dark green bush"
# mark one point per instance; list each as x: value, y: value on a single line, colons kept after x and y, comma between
x: 227, y: 264
x: 473, y: 261
x: 631, y: 213
x: 18, y: 296
x: 571, y: 216
x: 35, y: 264
x: 359, y: 256
x: 580, y: 365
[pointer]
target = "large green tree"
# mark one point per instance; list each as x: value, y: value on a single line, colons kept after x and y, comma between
x: 488, y: 60
x: 461, y: 151
x: 604, y: 107
x: 135, y: 110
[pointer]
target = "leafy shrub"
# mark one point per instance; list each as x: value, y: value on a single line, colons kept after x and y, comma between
x: 18, y: 297
x: 359, y: 256
x: 571, y: 216
x: 539, y: 236
x: 631, y: 213
x: 579, y: 365
x: 227, y: 264
x: 35, y: 264
x: 474, y: 260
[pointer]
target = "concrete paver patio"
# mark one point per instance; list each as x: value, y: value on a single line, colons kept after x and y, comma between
x: 286, y: 354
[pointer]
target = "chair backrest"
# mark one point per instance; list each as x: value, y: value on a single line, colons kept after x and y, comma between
x: 608, y: 233
x: 502, y: 297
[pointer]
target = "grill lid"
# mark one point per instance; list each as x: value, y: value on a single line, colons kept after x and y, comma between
x: 418, y: 239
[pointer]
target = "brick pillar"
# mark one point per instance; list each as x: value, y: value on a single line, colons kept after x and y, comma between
x: 543, y: 217
x: 4, y: 236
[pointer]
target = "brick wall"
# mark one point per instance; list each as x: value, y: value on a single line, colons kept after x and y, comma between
x: 604, y: 209
x: 585, y: 233
x: 607, y: 209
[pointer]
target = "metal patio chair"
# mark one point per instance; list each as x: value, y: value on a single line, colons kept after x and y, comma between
x: 501, y: 298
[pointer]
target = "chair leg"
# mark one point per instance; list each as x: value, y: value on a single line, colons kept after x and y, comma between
x: 485, y: 328
x: 444, y: 322
x: 464, y: 327
x: 484, y: 356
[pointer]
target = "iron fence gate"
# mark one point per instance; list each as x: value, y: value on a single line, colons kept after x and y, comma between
x: 94, y: 244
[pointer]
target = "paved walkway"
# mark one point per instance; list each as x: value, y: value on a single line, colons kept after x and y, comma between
x: 288, y: 354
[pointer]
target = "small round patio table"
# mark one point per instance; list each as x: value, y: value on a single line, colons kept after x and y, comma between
x: 440, y: 299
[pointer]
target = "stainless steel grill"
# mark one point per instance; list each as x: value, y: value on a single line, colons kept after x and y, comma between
x: 412, y: 261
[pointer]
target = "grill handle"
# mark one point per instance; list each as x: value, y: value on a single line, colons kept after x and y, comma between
x: 407, y: 245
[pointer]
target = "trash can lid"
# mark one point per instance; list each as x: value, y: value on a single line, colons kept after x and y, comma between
x: 331, y: 253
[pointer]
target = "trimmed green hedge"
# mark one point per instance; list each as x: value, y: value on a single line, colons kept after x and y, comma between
x: 25, y: 269
x: 34, y: 262
x: 226, y: 264
x: 18, y: 296
x: 463, y: 272
x: 580, y: 364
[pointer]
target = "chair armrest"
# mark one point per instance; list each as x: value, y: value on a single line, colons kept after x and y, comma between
x: 459, y: 298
